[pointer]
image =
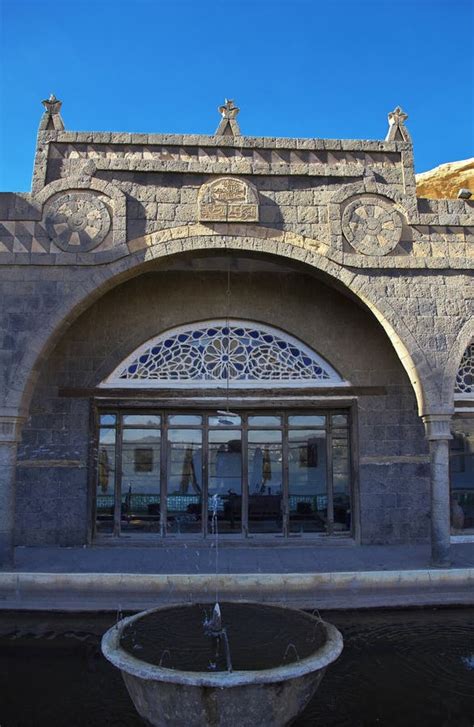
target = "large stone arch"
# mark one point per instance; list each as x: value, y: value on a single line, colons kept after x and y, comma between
x: 103, y: 278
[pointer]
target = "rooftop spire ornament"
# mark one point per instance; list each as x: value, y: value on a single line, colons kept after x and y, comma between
x: 51, y: 119
x: 397, y: 130
x: 228, y: 125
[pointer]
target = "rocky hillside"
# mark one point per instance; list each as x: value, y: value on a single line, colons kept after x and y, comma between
x: 446, y: 180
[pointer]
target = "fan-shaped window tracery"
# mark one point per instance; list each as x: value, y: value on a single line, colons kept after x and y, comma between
x: 465, y: 375
x: 240, y: 354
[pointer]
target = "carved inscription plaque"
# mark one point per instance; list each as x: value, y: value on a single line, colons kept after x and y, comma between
x: 228, y: 200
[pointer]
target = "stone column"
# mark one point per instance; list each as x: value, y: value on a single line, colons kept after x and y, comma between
x: 10, y: 429
x: 438, y: 433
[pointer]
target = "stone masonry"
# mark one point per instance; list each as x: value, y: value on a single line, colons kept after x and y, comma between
x: 86, y: 274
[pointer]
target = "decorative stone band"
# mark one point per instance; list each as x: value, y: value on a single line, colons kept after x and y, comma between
x: 437, y: 426
x: 10, y: 428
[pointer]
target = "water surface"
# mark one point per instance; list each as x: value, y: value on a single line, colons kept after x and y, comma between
x: 410, y: 668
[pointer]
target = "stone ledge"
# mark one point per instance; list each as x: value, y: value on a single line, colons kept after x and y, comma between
x: 363, y: 589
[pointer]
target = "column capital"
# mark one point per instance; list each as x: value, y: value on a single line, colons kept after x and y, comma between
x: 10, y: 428
x: 437, y: 426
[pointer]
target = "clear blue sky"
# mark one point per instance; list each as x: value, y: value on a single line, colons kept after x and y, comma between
x: 308, y: 68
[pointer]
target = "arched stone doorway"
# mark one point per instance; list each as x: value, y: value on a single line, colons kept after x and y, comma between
x: 278, y: 293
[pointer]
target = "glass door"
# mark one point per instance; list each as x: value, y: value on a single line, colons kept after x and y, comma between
x: 284, y: 473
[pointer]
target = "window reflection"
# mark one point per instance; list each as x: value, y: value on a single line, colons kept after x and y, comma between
x: 461, y: 460
x: 105, y: 497
x: 157, y: 471
x: 141, y: 457
x: 265, y: 478
x: 308, y: 501
x: 225, y: 476
x: 184, y: 481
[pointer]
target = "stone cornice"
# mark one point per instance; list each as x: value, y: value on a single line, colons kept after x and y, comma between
x: 238, y: 142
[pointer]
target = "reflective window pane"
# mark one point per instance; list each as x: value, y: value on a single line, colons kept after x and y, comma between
x: 299, y: 463
x: 225, y: 476
x: 105, y: 494
x: 265, y: 478
x: 184, y: 481
x: 141, y: 420
x: 264, y: 420
x: 141, y: 457
x: 184, y: 419
x: 461, y: 462
x: 307, y: 420
x: 307, y: 475
x: 341, y: 480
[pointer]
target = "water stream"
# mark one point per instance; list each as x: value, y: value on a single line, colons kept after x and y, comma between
x: 212, y: 625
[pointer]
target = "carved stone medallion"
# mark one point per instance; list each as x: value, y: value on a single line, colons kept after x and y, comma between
x: 228, y: 200
x: 77, y: 221
x: 372, y: 225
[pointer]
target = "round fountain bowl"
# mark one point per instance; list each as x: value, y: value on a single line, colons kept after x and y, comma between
x: 176, y: 675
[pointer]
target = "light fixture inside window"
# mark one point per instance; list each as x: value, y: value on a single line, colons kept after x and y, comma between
x: 227, y: 418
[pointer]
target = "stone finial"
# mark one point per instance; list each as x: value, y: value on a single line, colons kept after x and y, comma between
x: 228, y: 125
x: 228, y: 110
x: 52, y: 104
x: 397, y: 130
x: 51, y: 119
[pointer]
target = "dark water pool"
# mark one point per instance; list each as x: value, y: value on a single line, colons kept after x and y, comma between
x: 398, y: 669
x: 174, y: 638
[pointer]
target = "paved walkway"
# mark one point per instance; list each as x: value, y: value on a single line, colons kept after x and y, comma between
x: 195, y: 559
x: 303, y: 575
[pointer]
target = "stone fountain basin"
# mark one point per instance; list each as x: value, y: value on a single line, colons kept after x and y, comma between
x: 262, y: 697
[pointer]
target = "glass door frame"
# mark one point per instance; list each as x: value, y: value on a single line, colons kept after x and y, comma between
x: 244, y: 409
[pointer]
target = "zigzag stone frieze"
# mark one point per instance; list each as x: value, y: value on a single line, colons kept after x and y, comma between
x: 219, y: 154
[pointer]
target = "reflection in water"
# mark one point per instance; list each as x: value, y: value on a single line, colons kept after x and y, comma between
x: 398, y: 669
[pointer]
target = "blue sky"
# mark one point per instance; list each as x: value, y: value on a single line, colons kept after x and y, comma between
x: 307, y: 68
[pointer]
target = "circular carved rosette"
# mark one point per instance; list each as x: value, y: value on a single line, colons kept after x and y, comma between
x: 77, y: 221
x: 372, y: 225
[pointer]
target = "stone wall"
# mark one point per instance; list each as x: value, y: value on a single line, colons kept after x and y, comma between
x: 108, y: 211
x: 53, y: 482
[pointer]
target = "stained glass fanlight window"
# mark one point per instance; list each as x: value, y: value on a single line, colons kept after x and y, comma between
x: 240, y: 354
x: 465, y: 375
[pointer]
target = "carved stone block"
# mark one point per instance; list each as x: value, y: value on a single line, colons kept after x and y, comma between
x: 228, y: 200
x: 77, y: 221
x: 372, y: 225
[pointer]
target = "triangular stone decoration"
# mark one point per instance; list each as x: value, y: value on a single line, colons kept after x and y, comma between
x: 397, y: 130
x: 52, y: 119
x: 228, y: 125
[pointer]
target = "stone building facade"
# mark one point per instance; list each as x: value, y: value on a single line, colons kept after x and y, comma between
x: 280, y: 323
